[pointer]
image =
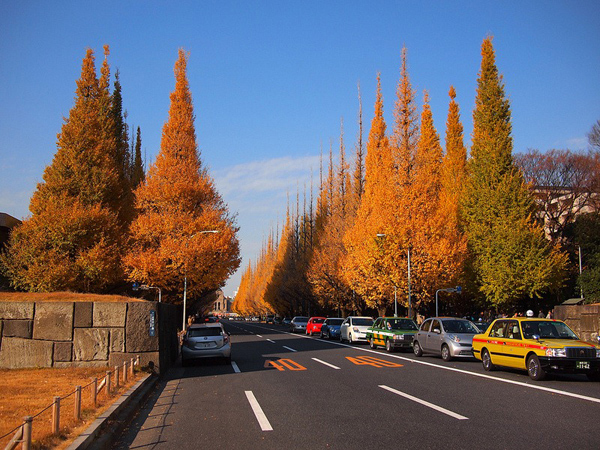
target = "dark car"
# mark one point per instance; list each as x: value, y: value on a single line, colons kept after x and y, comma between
x: 331, y: 328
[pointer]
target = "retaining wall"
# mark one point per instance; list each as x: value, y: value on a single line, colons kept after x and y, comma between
x: 583, y: 319
x: 83, y: 334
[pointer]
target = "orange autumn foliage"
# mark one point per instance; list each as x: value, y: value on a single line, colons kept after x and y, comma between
x: 176, y: 203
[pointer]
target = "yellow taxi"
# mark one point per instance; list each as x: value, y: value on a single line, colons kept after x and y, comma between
x: 539, y: 346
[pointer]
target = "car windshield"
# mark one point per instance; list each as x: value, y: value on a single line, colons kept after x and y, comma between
x: 460, y: 326
x: 318, y: 320
x: 197, y: 332
x: 402, y: 324
x: 300, y: 319
x: 334, y: 322
x: 362, y: 322
x: 547, y: 330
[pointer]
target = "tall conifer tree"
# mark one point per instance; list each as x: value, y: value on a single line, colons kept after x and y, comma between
x: 176, y: 203
x: 72, y: 241
x: 511, y: 258
x: 138, y: 174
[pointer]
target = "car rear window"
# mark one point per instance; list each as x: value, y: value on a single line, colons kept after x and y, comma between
x: 197, y: 332
x: 362, y: 322
x: 334, y: 321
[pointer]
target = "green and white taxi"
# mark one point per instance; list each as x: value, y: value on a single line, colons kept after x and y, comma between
x: 392, y: 333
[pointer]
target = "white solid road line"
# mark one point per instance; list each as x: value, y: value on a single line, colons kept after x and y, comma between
x: 425, y: 403
x: 258, y: 412
x: 326, y: 363
x: 290, y: 349
x: 270, y: 340
x: 236, y: 369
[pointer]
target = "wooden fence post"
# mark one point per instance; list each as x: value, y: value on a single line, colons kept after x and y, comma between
x: 108, y: 383
x: 78, y: 403
x: 56, y: 416
x: 27, y: 422
x: 131, y: 368
x: 116, y: 377
x: 95, y: 392
x: 137, y: 360
x: 124, y: 372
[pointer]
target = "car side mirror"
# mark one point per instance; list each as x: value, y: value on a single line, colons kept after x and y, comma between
x: 598, y: 339
x: 536, y: 337
x: 436, y: 330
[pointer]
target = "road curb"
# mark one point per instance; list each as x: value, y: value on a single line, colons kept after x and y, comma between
x: 107, y: 427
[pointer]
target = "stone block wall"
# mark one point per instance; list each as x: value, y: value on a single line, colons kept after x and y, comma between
x: 583, y: 319
x: 83, y: 334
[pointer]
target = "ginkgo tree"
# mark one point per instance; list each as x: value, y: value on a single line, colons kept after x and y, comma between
x: 177, y: 205
x: 74, y: 238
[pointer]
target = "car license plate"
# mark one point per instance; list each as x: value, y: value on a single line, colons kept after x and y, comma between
x: 582, y: 365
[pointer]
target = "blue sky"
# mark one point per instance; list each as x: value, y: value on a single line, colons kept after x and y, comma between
x: 271, y: 80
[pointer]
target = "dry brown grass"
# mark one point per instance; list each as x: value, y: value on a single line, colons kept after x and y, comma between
x: 26, y: 392
x: 63, y: 297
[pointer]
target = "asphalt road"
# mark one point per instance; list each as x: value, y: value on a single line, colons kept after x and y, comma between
x: 297, y: 392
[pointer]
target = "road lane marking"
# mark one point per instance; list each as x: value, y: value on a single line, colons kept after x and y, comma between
x: 452, y: 369
x: 425, y: 403
x: 326, y: 363
x: 371, y: 361
x: 271, y: 341
x: 282, y: 364
x: 258, y: 335
x: 258, y: 412
x: 290, y: 349
x: 236, y: 369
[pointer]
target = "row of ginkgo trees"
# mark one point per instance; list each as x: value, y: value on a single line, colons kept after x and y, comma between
x: 97, y: 225
x: 468, y: 222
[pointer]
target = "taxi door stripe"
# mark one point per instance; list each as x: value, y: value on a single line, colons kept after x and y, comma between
x: 425, y: 403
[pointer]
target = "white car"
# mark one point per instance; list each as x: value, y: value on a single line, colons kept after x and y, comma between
x: 354, y: 328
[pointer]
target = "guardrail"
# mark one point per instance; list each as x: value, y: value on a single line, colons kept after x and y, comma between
x: 23, y: 432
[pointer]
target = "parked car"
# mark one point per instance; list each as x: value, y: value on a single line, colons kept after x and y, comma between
x: 270, y: 319
x: 450, y: 337
x: 286, y: 321
x: 314, y: 325
x: 354, y: 329
x: 298, y: 324
x: 539, y: 346
x: 205, y: 340
x: 331, y: 328
x: 392, y: 333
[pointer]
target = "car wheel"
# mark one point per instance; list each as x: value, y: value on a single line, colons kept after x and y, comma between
x: 321, y: 335
x: 534, y: 368
x: 417, y: 349
x: 349, y: 338
x: 486, y: 360
x: 388, y: 346
x: 227, y: 361
x: 446, y: 355
x: 184, y: 362
x: 593, y: 376
x: 372, y: 343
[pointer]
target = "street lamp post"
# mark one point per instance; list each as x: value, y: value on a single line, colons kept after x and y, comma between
x: 457, y: 289
x: 381, y: 235
x: 185, y: 277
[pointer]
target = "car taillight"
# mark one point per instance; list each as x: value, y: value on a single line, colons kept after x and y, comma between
x: 225, y: 338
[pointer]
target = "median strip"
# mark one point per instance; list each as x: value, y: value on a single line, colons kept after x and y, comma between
x: 258, y: 412
x: 425, y: 403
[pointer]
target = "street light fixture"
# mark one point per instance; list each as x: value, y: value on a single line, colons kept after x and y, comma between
x: 457, y: 289
x: 185, y: 275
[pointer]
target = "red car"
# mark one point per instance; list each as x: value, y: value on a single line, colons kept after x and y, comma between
x: 314, y: 325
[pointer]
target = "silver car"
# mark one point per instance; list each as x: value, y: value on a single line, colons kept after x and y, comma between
x: 450, y: 337
x: 298, y: 324
x: 206, y: 340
